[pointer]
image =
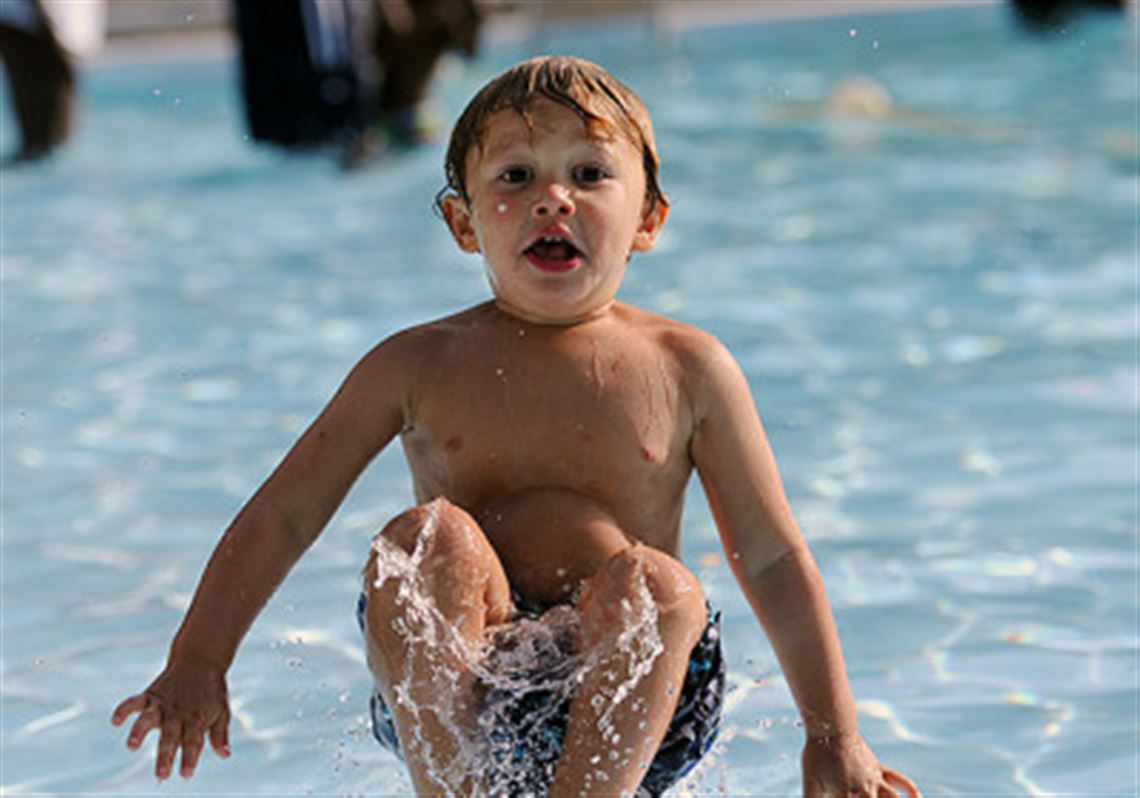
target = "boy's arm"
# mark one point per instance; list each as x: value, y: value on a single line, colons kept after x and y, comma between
x: 188, y: 700
x: 778, y: 575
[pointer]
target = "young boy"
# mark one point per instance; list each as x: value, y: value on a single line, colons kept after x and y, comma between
x: 550, y: 434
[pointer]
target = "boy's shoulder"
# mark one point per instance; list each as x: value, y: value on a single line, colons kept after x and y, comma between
x: 705, y: 367
x: 421, y: 339
x: 694, y: 348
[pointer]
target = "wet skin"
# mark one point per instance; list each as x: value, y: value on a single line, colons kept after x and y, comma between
x: 617, y: 448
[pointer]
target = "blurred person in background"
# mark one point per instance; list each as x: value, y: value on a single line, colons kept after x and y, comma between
x: 304, y: 70
x: 350, y: 74
x: 40, y: 43
x: 411, y: 36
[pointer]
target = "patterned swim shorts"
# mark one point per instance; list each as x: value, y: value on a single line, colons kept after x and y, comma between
x: 691, y: 732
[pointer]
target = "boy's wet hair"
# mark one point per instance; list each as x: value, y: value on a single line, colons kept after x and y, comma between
x: 606, y: 106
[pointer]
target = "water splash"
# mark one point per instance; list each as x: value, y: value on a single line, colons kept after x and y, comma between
x: 434, y: 648
x: 503, y: 701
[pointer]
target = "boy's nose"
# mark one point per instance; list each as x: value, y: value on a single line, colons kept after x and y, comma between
x: 553, y: 200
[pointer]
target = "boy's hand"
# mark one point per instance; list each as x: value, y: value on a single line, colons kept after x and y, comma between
x: 185, y: 703
x: 844, y: 767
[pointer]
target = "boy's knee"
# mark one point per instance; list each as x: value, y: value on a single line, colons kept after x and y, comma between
x: 675, y: 590
x: 436, y: 529
x: 642, y: 573
x: 439, y: 547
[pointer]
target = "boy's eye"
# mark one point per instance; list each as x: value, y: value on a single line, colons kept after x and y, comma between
x: 515, y: 174
x: 590, y: 173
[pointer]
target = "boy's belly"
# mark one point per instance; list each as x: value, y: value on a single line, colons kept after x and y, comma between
x: 550, y: 539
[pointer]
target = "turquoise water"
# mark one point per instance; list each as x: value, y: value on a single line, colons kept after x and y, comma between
x: 937, y: 311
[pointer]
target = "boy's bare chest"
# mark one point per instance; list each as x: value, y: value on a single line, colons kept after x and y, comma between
x: 582, y: 417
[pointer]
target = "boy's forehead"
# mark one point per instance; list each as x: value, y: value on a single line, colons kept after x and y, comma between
x: 542, y: 116
x: 507, y: 127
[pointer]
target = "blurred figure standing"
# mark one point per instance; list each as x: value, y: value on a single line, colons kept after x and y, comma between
x: 40, y: 41
x: 411, y: 36
x: 304, y: 70
x: 351, y: 73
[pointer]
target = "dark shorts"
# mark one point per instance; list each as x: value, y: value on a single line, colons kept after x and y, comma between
x: 691, y: 732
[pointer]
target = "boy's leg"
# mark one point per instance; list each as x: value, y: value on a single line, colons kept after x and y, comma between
x: 423, y: 626
x: 622, y: 711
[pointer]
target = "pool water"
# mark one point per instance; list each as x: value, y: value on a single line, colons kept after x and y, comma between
x: 936, y: 308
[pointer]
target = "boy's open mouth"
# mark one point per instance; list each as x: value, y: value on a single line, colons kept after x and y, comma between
x: 553, y: 254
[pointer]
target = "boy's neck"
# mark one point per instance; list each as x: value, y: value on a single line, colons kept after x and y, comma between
x: 569, y: 321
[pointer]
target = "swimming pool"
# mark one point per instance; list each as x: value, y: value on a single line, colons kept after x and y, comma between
x: 936, y: 308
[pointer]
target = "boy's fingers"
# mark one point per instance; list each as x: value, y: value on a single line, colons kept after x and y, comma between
x: 220, y: 735
x: 148, y: 719
x: 191, y: 750
x: 896, y: 779
x: 167, y: 748
x: 136, y: 703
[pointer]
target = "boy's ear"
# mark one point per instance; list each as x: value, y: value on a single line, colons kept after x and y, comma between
x: 458, y: 216
x: 646, y: 235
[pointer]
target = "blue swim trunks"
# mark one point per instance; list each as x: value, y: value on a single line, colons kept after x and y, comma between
x: 691, y: 732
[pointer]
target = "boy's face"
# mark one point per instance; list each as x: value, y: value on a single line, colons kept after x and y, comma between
x: 555, y: 211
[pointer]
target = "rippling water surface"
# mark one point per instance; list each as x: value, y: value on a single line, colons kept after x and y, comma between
x: 936, y: 309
